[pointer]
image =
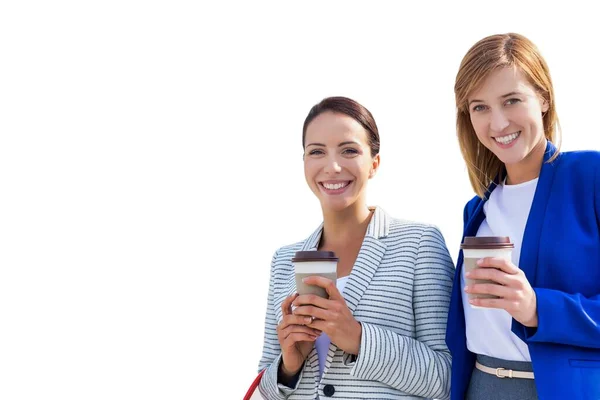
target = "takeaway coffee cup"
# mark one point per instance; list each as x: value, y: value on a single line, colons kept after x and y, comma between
x: 314, y: 263
x: 475, y: 248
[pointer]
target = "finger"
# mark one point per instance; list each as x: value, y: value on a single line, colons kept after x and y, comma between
x: 319, y: 325
x: 490, y: 288
x: 286, y: 305
x: 500, y: 263
x: 297, y: 319
x: 312, y: 311
x: 290, y: 330
x: 310, y: 299
x: 299, y: 337
x: 492, y: 274
x: 490, y: 303
x: 326, y: 284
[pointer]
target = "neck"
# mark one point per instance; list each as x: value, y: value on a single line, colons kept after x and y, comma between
x: 340, y: 226
x: 528, y: 168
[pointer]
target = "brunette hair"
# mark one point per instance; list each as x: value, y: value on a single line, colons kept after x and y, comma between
x: 351, y: 108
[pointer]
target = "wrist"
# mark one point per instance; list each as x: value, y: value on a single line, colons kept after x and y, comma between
x: 357, y: 338
x: 287, y: 377
x: 532, y: 321
x: 285, y: 372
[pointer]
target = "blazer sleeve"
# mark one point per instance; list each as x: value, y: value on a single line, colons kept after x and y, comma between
x: 581, y: 314
x: 271, y: 354
x: 419, y: 366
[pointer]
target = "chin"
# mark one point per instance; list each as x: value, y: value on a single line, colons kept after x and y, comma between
x: 513, y: 156
x: 335, y: 206
x: 509, y: 159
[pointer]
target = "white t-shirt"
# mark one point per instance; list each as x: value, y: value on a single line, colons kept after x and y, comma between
x: 323, y: 341
x: 506, y: 214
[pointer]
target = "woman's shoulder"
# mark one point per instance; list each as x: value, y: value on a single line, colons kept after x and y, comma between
x: 405, y: 228
x: 579, y: 168
x: 287, y: 252
x: 401, y: 223
x: 579, y: 159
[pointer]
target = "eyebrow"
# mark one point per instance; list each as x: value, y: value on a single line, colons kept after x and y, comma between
x: 503, y: 96
x: 339, y: 145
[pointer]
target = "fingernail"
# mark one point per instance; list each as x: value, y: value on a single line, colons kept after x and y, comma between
x: 308, y: 320
x: 468, y: 274
x: 480, y: 261
x: 467, y: 288
x: 304, y: 280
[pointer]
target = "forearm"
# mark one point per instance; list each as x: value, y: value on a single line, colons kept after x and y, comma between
x: 271, y: 357
x: 401, y: 362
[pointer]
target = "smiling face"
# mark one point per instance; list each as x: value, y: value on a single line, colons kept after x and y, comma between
x: 338, y: 161
x: 506, y: 113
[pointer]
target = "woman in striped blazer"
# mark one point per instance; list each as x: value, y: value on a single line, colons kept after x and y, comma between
x: 380, y: 335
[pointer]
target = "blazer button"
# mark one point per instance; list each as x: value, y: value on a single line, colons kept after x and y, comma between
x: 328, y: 390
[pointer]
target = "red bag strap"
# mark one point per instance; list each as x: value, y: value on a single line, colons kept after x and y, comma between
x: 254, y: 385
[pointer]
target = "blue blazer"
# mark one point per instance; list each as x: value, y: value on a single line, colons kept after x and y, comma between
x: 560, y: 256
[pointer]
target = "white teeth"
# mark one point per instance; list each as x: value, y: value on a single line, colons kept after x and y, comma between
x: 508, y: 138
x: 334, y: 186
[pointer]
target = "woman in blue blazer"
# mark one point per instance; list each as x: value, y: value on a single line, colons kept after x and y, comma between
x: 380, y: 334
x: 541, y: 337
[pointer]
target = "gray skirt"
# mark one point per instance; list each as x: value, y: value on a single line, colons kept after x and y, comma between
x: 484, y: 386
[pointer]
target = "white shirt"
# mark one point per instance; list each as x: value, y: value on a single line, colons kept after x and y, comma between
x: 323, y: 341
x: 489, y: 330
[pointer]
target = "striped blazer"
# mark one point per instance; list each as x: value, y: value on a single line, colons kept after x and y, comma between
x: 399, y: 290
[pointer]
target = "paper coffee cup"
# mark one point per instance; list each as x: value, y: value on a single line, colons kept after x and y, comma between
x: 476, y: 248
x: 314, y: 263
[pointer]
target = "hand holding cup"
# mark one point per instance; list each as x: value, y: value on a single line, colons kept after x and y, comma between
x: 493, y: 281
x: 331, y: 315
x: 296, y: 339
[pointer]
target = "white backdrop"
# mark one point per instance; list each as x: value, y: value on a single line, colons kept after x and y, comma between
x: 150, y: 165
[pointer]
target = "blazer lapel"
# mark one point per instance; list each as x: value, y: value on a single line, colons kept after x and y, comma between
x: 312, y: 242
x: 369, y: 257
x: 478, y: 215
x: 535, y: 221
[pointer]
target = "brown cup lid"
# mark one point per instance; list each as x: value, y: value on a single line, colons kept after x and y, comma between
x: 486, y: 242
x: 314, y: 256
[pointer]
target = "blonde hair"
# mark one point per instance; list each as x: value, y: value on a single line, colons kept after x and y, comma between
x: 486, y: 56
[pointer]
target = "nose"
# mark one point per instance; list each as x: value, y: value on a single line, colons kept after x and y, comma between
x: 332, y: 166
x: 499, y: 121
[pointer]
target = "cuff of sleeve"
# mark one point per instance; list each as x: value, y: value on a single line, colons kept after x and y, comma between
x: 371, y: 343
x: 544, y: 306
x: 269, y: 387
x: 349, y: 360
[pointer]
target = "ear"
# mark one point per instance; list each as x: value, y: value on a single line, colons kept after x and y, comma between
x: 545, y: 106
x: 374, y: 166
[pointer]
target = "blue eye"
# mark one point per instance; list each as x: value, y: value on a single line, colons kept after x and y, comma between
x: 479, y: 107
x: 350, y: 150
x: 512, y: 101
x: 315, y: 152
